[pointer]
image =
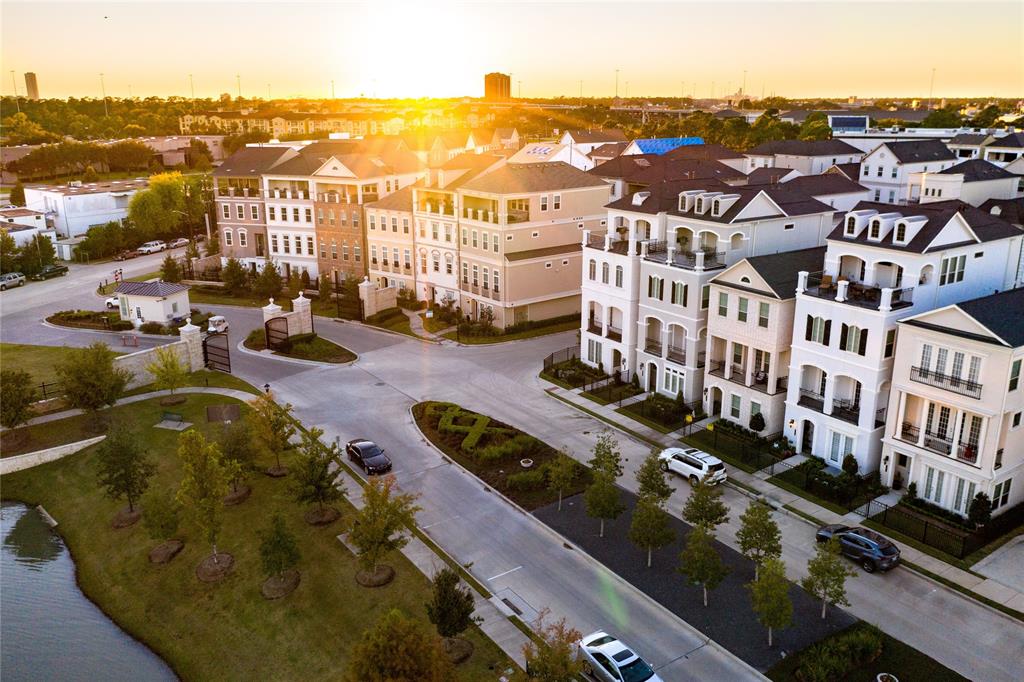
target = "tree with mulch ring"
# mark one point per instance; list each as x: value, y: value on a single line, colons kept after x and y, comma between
x: 123, y: 470
x: 278, y: 554
x: 313, y: 481
x: 161, y: 522
x: 272, y: 428
x: 451, y: 611
x: 169, y: 374
x: 91, y: 381
x: 203, y: 487
x: 236, y: 447
x: 376, y: 529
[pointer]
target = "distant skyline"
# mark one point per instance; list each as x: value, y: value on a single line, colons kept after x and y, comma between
x: 397, y: 49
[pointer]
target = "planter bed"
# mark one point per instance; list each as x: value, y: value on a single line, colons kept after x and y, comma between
x: 612, y: 393
x: 107, y: 321
x: 303, y: 347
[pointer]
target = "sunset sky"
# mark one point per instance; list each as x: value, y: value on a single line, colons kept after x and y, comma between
x: 394, y: 48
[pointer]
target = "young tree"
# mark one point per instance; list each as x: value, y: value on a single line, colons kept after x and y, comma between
x: 602, y: 499
x: 8, y: 253
x: 769, y: 594
x: 850, y: 466
x: 562, y: 471
x: 204, y: 483
x: 279, y: 552
x: 213, y: 244
x: 16, y: 397
x: 169, y: 374
x: 555, y: 660
x: 313, y: 481
x: 759, y: 535
x: 191, y: 250
x: 163, y: 515
x: 272, y: 429
x: 122, y: 468
x: 650, y: 529
x: 451, y: 606
x: 235, y: 278
x: 236, y: 447
x: 651, y: 477
x: 375, y: 529
x: 91, y: 380
x: 398, y: 649
x: 700, y: 562
x: 268, y: 283
x: 980, y: 510
x: 826, y: 575
x: 170, y: 271
x: 606, y: 456
x: 33, y: 256
x: 705, y: 508
x: 17, y: 196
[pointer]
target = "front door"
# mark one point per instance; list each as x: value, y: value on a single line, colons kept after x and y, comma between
x: 807, y: 440
x: 652, y: 377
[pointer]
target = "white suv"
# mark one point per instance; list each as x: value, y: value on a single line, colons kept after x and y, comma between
x: 152, y: 247
x: 693, y: 464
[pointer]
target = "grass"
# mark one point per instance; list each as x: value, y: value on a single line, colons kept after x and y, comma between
x: 633, y: 412
x: 392, y: 321
x: 614, y: 393
x: 485, y: 433
x: 501, y: 338
x: 907, y: 663
x: 797, y: 490
x: 227, y: 630
x: 433, y: 324
x: 206, y: 378
x: 39, y: 361
x: 816, y: 521
x: 109, y: 288
x: 705, y: 440
x: 314, y: 348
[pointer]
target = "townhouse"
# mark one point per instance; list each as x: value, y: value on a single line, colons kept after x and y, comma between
x: 1005, y: 149
x: 809, y: 157
x: 647, y: 272
x: 887, y: 169
x: 973, y: 181
x: 747, y: 369
x: 520, y: 228
x: 391, y: 240
x: 833, y: 189
x: 882, y: 264
x: 239, y: 205
x: 958, y: 397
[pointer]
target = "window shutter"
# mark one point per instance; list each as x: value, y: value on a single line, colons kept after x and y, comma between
x: 828, y: 331
x: 810, y: 326
x: 863, y: 342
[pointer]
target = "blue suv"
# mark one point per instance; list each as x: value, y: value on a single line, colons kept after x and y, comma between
x: 872, y: 551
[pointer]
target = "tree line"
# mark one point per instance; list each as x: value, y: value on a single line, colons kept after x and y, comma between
x: 89, y: 158
x: 29, y: 258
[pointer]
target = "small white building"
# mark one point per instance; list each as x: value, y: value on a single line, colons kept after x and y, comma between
x: 161, y: 302
x: 589, y: 140
x: 73, y: 208
x: 973, y: 181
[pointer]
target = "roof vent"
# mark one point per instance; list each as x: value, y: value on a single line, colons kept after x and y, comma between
x: 640, y: 197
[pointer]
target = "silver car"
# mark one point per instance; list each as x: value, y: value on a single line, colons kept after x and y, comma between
x: 607, y: 659
x: 11, y: 279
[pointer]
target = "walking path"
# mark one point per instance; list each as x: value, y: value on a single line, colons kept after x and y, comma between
x: 785, y: 500
x: 416, y: 322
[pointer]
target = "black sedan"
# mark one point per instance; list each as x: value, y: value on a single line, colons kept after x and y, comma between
x: 368, y: 456
x: 871, y: 550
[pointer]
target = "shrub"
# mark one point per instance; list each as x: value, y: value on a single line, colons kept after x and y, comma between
x: 521, y: 445
x: 980, y: 510
x: 385, y: 316
x: 531, y: 479
x: 152, y: 328
x: 833, y: 658
x: 121, y: 325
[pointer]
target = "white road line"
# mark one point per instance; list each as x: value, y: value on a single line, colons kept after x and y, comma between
x: 505, y: 573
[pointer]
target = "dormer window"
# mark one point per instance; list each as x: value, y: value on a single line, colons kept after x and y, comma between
x: 876, y: 229
x: 901, y: 233
x: 851, y: 225
x: 715, y: 205
x: 700, y: 206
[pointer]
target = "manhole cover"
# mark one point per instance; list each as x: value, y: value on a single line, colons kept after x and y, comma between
x: 223, y: 413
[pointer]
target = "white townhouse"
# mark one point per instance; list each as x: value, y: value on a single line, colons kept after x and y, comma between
x: 1005, y: 149
x: 973, y: 182
x: 809, y: 157
x: 646, y: 278
x: 750, y: 330
x: 391, y: 240
x: 549, y: 152
x: 887, y: 169
x: 589, y: 140
x: 958, y: 394
x: 883, y: 263
x: 291, y: 228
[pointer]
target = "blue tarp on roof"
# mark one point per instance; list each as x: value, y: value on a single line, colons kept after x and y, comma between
x: 661, y: 145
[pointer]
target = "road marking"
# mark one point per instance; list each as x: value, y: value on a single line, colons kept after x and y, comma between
x: 435, y: 523
x: 512, y: 570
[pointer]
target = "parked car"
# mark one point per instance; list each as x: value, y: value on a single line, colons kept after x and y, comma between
x: 368, y: 456
x: 49, y: 271
x: 868, y: 548
x: 152, y: 247
x: 610, y: 660
x: 693, y: 465
x: 177, y: 243
x: 217, y: 324
x: 113, y: 302
x: 128, y: 254
x: 11, y: 279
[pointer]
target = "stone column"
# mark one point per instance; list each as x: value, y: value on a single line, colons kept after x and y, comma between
x: 366, y: 295
x: 270, y: 311
x: 302, y: 311
x: 191, y: 336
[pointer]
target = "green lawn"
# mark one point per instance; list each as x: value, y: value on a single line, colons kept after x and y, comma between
x: 611, y: 393
x: 38, y: 361
x: 206, y: 378
x: 501, y: 338
x: 396, y: 323
x: 316, y: 348
x: 433, y: 324
x: 226, y: 630
x: 633, y: 411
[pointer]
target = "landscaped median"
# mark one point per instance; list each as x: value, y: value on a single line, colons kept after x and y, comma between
x: 303, y: 347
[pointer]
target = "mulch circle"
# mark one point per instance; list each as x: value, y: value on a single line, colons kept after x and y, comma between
x: 125, y: 518
x: 210, y: 572
x: 458, y: 649
x: 276, y: 472
x: 172, y: 400
x: 322, y: 517
x: 281, y: 585
x: 165, y: 551
x: 237, y: 496
x: 378, y: 578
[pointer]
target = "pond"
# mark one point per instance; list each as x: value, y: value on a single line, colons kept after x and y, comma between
x: 49, y: 630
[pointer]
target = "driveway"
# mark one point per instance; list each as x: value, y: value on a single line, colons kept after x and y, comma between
x: 1005, y: 565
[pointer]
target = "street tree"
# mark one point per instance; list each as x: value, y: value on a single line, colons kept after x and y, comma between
x: 602, y: 498
x: 759, y: 535
x: 16, y: 397
x: 170, y: 271
x: 313, y: 481
x: 704, y: 507
x: 555, y: 660
x: 90, y: 379
x: 826, y: 575
x: 451, y: 606
x: 398, y: 649
x: 236, y: 447
x: 235, y: 278
x: 606, y: 456
x: 769, y: 596
x: 376, y: 529
x: 212, y: 247
x: 122, y: 467
x: 34, y: 255
x: 204, y: 483
x: 700, y: 562
x: 272, y: 429
x: 562, y: 472
x: 169, y: 373
x: 651, y: 478
x: 279, y: 552
x: 650, y: 528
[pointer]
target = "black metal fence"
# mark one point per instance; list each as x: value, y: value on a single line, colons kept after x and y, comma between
x: 49, y: 390
x: 756, y: 455
x: 560, y: 356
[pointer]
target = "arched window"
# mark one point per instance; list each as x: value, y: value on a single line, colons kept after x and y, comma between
x: 851, y: 225
x: 901, y: 232
x: 605, y: 268
x: 876, y: 229
x: 715, y: 206
x: 700, y: 206
x: 593, y: 270
x: 618, y: 276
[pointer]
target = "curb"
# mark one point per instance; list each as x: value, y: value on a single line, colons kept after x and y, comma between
x: 414, y: 337
x: 131, y: 332
x: 268, y: 354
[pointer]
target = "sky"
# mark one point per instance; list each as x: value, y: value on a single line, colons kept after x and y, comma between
x: 393, y: 48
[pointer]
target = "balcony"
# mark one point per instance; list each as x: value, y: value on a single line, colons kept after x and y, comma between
x: 846, y: 410
x: 943, y: 445
x: 621, y: 247
x: 614, y: 333
x: 704, y: 259
x: 652, y: 346
x: 717, y: 368
x: 677, y: 354
x: 967, y: 452
x: 479, y: 214
x: 858, y: 294
x: 963, y: 387
x: 517, y: 216
x: 594, y: 328
x: 811, y: 399
x: 434, y: 208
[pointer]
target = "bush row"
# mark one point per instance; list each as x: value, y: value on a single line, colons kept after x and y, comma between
x: 835, y: 657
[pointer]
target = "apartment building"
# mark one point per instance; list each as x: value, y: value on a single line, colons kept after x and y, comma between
x: 882, y: 264
x: 887, y: 169
x: 747, y: 369
x: 239, y: 203
x: 391, y: 240
x: 520, y: 228
x: 973, y: 181
x: 647, y: 272
x: 278, y: 124
x: 958, y: 397
x: 809, y: 157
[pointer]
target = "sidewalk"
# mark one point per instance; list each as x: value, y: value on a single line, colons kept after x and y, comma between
x: 416, y: 323
x: 780, y: 498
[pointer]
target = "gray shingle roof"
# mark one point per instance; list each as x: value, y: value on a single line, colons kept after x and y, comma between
x: 1013, y: 141
x: 782, y: 270
x: 533, y: 177
x: 665, y: 198
x: 820, y: 185
x: 805, y: 148
x: 976, y: 170
x: 920, y: 151
x: 396, y: 201
x: 1001, y: 314
x: 710, y: 152
x: 1010, y: 210
x: 597, y: 135
x: 154, y: 289
x: 251, y: 161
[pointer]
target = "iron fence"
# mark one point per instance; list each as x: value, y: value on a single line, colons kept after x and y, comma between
x: 560, y: 356
x: 52, y: 389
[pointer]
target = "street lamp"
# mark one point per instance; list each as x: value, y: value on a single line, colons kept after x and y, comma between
x: 266, y: 388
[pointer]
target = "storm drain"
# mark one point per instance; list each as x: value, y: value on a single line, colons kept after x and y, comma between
x: 515, y: 609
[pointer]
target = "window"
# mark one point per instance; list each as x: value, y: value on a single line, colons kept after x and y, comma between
x: 465, y: 273
x: 448, y: 263
x: 592, y: 270
x: 734, y: 406
x: 434, y: 231
x: 789, y: 226
x: 894, y: 170
x: 878, y: 194
x: 486, y: 278
x: 672, y: 381
x: 723, y: 304
x: 284, y: 214
x: 1000, y: 494
x: 405, y: 226
x: 878, y: 173
x: 818, y: 330
x: 741, y: 311
x: 295, y: 214
x: 437, y: 262
x: 593, y: 351
x: 319, y: 216
x: 226, y: 211
x: 373, y: 221
x: 618, y: 275
x: 286, y: 242
x: 1016, y: 419
x: 240, y: 211
x: 655, y: 287
x: 483, y: 240
x: 310, y: 250
x: 495, y: 273
x: 465, y: 237
x: 408, y: 259
x: 890, y: 343
x: 476, y: 275
x: 679, y: 293
x: 715, y: 205
x: 334, y: 251
x: 344, y: 251
x: 1014, y: 375
x: 423, y: 263
x: 952, y: 270
x: 853, y: 339
x: 544, y: 203
x: 876, y: 229
x: 373, y: 254
x: 242, y: 238
x: 755, y: 408
x: 474, y: 239
x: 762, y: 315
x: 357, y: 252
x: 494, y: 244
x: 227, y: 237
x: 330, y: 216
x: 892, y: 196
x: 605, y: 270
x: 705, y: 297
x: 448, y: 232
x: 254, y: 211
x: 309, y: 215
x: 273, y: 243
x: 556, y: 202
x: 901, y: 232
x: 961, y: 502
